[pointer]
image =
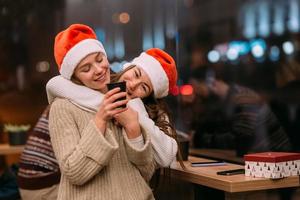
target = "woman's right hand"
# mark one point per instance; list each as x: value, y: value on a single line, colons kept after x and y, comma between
x: 110, y: 107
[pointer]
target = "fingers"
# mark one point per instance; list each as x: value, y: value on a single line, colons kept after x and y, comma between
x: 117, y: 96
x: 117, y: 111
x: 117, y: 105
x: 114, y: 95
x: 112, y: 92
x: 111, y: 109
x: 114, y: 102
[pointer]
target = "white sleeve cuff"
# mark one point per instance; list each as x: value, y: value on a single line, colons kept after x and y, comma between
x: 137, y: 142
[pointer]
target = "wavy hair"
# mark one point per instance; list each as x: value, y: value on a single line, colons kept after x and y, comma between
x: 157, y: 110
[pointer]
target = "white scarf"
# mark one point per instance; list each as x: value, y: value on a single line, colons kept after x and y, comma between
x: 84, y: 97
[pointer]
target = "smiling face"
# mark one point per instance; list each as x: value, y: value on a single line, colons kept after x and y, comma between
x: 93, y: 72
x: 138, y: 83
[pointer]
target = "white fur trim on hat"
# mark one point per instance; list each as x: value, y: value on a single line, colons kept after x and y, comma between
x: 77, y: 53
x: 156, y: 73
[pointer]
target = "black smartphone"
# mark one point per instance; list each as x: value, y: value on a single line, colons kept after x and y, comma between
x: 121, y: 85
x: 208, y: 163
x: 231, y: 172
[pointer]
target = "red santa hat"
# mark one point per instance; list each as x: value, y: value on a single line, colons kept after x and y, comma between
x: 74, y: 44
x: 161, y: 69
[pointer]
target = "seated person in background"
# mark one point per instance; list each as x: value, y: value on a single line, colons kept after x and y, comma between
x: 285, y: 101
x: 285, y: 105
x: 39, y: 171
x: 236, y: 117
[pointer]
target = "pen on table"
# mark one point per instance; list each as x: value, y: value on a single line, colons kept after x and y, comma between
x: 221, y: 163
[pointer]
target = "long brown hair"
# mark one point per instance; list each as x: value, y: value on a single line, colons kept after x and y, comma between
x: 158, y: 111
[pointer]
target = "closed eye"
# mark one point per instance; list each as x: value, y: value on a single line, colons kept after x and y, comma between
x: 99, y: 58
x: 85, y: 68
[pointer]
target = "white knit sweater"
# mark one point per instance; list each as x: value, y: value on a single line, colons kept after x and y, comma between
x: 165, y: 147
x: 96, y: 165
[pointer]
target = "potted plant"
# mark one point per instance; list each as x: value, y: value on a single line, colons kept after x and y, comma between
x: 16, y: 133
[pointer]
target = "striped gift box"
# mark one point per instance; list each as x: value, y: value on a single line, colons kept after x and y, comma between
x: 272, y: 165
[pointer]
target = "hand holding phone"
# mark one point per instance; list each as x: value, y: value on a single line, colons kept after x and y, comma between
x: 121, y: 85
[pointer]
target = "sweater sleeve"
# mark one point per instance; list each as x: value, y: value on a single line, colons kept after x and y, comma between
x: 137, y: 142
x: 141, y: 157
x: 165, y: 147
x: 80, y: 155
x: 138, y: 156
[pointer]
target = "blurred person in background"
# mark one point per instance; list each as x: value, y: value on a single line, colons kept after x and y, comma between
x: 39, y: 173
x: 235, y: 117
x: 285, y: 100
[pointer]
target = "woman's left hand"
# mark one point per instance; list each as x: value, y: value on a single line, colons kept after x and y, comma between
x: 129, y: 121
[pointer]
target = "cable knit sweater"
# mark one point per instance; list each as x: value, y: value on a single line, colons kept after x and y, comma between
x: 96, y: 165
x: 165, y: 147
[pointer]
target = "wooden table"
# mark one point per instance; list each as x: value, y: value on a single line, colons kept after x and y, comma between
x: 6, y: 149
x: 236, y: 186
